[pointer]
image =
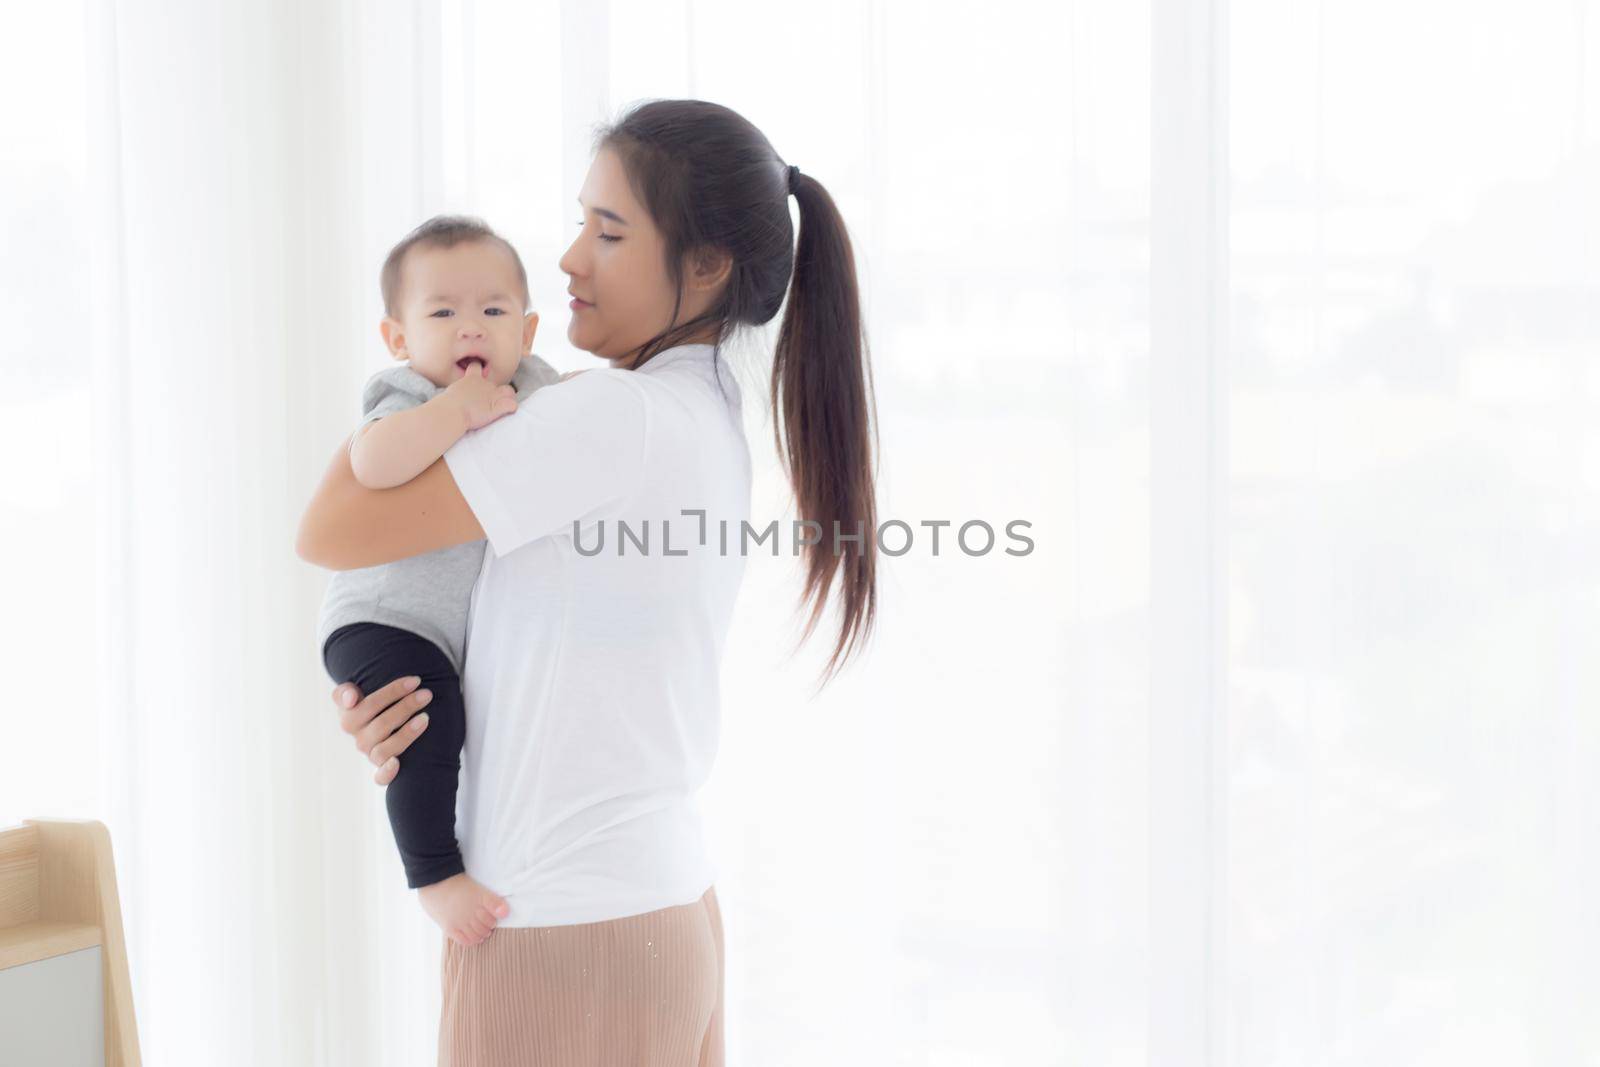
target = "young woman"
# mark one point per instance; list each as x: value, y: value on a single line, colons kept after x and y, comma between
x: 591, y: 677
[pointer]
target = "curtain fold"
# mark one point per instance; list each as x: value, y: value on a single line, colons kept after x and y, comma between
x: 234, y: 310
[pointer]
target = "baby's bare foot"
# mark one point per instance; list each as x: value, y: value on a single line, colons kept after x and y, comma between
x: 465, y: 910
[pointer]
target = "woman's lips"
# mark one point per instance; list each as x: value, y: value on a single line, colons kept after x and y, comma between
x: 579, y: 305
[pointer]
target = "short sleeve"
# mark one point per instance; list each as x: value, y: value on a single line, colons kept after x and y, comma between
x: 567, y: 454
x: 388, y: 391
x: 390, y: 404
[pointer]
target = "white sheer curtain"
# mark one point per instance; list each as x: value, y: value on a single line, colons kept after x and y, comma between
x: 1413, y: 689
x: 1276, y: 321
x: 198, y: 198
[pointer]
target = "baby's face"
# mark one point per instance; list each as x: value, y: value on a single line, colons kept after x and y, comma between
x: 459, y: 304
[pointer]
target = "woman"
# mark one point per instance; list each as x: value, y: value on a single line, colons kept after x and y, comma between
x: 591, y: 677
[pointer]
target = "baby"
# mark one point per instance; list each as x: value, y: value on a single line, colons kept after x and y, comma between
x: 455, y: 299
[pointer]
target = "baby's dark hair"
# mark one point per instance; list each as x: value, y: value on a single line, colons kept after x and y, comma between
x: 441, y: 231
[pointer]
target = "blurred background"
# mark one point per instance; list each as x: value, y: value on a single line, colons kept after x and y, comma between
x: 1276, y: 320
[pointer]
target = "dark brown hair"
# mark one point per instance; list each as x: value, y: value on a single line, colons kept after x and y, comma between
x: 711, y: 180
x: 441, y: 231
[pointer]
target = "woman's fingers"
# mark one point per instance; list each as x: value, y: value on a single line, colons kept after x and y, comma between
x: 345, y: 697
x: 359, y: 719
x: 392, y: 731
x: 375, y: 721
x: 385, y: 774
x: 354, y: 709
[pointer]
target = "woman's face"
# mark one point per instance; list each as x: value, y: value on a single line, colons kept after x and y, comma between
x: 618, y: 269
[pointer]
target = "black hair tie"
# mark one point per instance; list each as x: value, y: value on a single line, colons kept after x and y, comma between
x: 794, y: 178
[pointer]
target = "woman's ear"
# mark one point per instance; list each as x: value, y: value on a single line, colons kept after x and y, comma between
x: 708, y: 268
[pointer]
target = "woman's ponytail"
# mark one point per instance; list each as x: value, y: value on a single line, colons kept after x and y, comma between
x: 825, y: 421
x: 711, y: 180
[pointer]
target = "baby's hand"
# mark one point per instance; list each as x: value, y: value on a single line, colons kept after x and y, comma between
x: 480, y: 400
x: 465, y: 910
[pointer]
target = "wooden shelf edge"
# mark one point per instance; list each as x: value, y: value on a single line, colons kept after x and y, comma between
x: 39, y: 940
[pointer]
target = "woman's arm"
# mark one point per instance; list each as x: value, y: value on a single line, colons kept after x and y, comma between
x: 597, y: 425
x: 347, y: 525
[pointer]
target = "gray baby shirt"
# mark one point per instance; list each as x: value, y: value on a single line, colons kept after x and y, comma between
x: 427, y: 594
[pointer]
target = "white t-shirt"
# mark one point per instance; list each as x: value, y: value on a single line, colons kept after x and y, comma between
x: 592, y: 682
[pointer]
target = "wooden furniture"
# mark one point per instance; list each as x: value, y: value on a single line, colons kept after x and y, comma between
x: 64, y: 991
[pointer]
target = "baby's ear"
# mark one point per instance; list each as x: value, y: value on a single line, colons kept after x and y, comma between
x: 394, y: 338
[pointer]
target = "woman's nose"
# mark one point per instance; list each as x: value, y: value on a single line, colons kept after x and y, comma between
x: 568, y: 263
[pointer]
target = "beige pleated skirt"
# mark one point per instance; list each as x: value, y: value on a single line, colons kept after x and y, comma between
x: 642, y: 991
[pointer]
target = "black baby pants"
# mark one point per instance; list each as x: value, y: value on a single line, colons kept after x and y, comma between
x: 422, y: 796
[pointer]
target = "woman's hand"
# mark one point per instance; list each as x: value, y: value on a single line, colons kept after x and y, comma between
x: 375, y: 721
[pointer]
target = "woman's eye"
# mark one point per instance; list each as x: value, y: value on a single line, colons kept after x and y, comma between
x: 603, y: 236
x: 441, y: 313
